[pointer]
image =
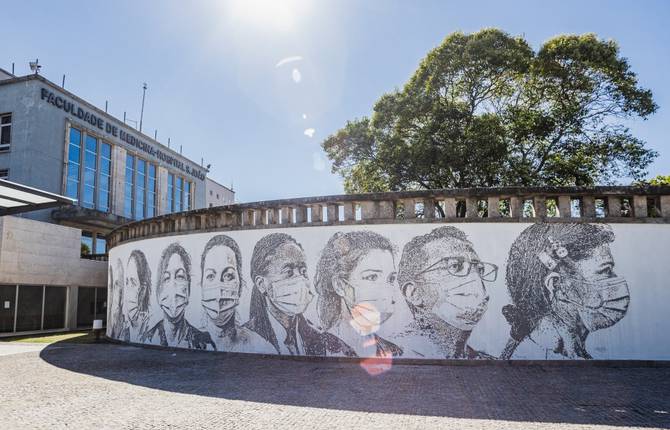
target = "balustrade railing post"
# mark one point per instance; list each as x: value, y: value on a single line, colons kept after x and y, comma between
x: 450, y: 207
x: 471, y: 207
x: 515, y: 207
x: 369, y: 210
x: 349, y: 211
x: 540, y: 206
x: 564, y: 209
x: 386, y: 209
x: 410, y: 208
x: 301, y: 214
x: 613, y: 206
x: 333, y: 213
x: 640, y: 206
x: 317, y: 213
x: 665, y: 206
x: 493, y: 207
x: 429, y: 208
x: 588, y: 207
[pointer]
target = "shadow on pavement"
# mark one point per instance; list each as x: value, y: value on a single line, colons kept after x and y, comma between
x: 560, y: 394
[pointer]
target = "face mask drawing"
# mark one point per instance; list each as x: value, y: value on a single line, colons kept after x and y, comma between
x: 369, y: 305
x: 292, y: 295
x: 454, y: 290
x: 220, y: 299
x: 173, y: 294
x: 131, y: 292
x: 601, y: 304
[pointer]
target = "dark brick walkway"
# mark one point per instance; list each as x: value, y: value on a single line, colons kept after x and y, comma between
x: 113, y: 386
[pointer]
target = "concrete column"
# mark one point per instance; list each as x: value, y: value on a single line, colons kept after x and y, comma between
x: 540, y: 206
x: 162, y: 187
x: 515, y: 207
x: 450, y: 207
x: 410, y: 210
x: 471, y: 207
x: 333, y: 213
x: 493, y: 207
x: 613, y: 206
x: 665, y: 206
x: 301, y: 214
x: 118, y: 179
x: 71, y: 307
x: 588, y: 207
x: 369, y: 210
x: 317, y: 213
x: 285, y: 215
x: 386, y: 210
x: 349, y: 211
x: 640, y: 206
x: 564, y: 206
x: 429, y: 208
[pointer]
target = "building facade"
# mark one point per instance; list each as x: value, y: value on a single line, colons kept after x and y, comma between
x: 55, y: 141
x: 217, y: 194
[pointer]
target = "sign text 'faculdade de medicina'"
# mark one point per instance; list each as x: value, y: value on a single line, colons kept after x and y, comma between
x: 111, y: 129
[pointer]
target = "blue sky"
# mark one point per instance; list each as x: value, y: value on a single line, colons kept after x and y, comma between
x: 218, y: 88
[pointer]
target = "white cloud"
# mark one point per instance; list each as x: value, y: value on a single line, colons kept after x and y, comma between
x: 288, y: 60
x: 296, y: 75
x: 309, y: 132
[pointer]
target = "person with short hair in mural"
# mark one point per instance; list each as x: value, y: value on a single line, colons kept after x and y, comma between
x: 563, y: 286
x: 444, y: 284
x: 173, y: 290
x: 136, y: 293
x: 281, y: 293
x: 115, y: 316
x: 356, y: 282
x: 221, y: 287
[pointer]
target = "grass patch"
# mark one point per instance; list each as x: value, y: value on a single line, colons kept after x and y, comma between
x: 70, y: 337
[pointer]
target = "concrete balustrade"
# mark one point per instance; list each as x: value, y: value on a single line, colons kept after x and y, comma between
x: 401, y: 207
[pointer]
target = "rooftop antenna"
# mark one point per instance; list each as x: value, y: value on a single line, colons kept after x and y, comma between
x: 63, y: 84
x: 179, y: 149
x: 168, y: 142
x: 106, y: 105
x: 144, y: 92
x: 35, y: 66
x: 156, y: 134
x: 12, y: 68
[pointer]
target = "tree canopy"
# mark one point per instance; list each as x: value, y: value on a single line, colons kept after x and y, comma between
x: 485, y: 109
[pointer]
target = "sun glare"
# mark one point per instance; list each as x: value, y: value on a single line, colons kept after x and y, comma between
x: 279, y: 15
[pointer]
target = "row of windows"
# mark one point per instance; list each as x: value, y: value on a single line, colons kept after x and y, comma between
x: 89, y: 175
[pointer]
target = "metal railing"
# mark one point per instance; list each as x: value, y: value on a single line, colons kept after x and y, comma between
x: 632, y: 204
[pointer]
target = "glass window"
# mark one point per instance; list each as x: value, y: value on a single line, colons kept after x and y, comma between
x: 151, y: 191
x: 29, y: 308
x: 170, y: 194
x: 54, y: 307
x: 86, y: 243
x: 4, y: 173
x: 5, y: 131
x: 140, y: 190
x: 100, y: 244
x: 105, y: 177
x: 7, y: 304
x: 90, y: 168
x: 73, y: 163
x: 129, y: 189
x: 85, y: 306
x: 187, y: 195
x: 178, y: 194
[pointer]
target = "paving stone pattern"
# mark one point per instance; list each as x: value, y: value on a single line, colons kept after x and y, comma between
x: 111, y: 386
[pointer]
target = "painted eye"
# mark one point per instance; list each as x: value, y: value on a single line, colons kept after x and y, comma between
x: 303, y: 270
x: 371, y: 277
x: 228, y: 277
x: 392, y: 278
x: 210, y: 276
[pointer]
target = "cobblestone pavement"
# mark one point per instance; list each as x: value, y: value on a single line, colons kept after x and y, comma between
x: 115, y: 386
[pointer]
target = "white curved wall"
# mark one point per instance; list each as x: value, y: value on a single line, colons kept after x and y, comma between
x: 579, y: 320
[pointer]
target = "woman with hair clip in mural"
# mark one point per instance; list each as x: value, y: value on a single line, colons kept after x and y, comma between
x: 115, y: 316
x: 280, y: 295
x: 136, y: 292
x: 563, y: 286
x: 221, y: 286
x: 356, y: 282
x: 173, y: 290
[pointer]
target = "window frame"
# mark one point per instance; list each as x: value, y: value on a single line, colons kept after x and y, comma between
x: 5, y: 147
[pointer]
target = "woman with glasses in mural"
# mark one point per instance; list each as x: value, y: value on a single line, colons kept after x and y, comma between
x: 356, y: 282
x: 136, y: 293
x: 221, y: 287
x: 443, y: 281
x: 173, y: 290
x: 563, y: 286
x: 115, y: 316
x: 281, y: 293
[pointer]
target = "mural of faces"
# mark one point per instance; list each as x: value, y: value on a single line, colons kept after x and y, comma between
x: 285, y: 280
x: 174, y: 287
x: 131, y: 291
x: 221, y: 282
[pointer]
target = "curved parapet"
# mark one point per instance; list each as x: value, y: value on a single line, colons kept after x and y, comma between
x: 510, y: 273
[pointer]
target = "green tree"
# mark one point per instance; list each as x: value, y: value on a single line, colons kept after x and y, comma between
x: 484, y: 109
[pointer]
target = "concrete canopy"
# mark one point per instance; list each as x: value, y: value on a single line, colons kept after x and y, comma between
x: 17, y: 198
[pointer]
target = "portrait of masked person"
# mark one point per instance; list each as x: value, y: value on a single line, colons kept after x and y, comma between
x: 221, y: 287
x: 173, y: 290
x: 444, y: 282
x: 115, y: 309
x: 356, y: 282
x: 563, y: 286
x: 281, y: 293
x: 136, y: 293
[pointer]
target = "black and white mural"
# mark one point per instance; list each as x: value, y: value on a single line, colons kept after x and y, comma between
x: 422, y: 291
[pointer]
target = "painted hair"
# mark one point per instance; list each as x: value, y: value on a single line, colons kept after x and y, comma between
x: 526, y: 271
x: 339, y: 258
x: 144, y: 275
x: 228, y: 242
x: 414, y: 256
x: 173, y: 248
